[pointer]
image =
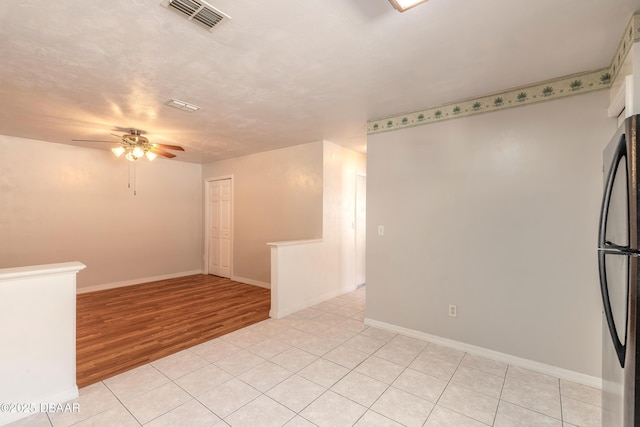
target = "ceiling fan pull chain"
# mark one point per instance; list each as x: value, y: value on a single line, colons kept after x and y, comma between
x: 134, y: 178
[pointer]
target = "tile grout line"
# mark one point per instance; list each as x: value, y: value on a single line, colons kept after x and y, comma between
x: 504, y: 381
x: 452, y: 410
x: 530, y: 409
x: 121, y: 404
x: 338, y: 380
x: 561, y: 408
x: 292, y: 373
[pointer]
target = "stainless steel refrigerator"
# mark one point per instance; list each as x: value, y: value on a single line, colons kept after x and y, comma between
x: 618, y: 252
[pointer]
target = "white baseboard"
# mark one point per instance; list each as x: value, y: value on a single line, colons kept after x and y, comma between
x: 543, y: 368
x: 282, y: 312
x: 54, y: 399
x: 251, y: 282
x: 114, y: 285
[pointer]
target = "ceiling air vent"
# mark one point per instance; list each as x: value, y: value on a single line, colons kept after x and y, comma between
x: 198, y: 11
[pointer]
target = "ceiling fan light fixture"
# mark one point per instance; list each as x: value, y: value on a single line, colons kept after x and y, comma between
x: 403, y: 5
x: 118, y: 151
x: 134, y: 146
x: 137, y: 152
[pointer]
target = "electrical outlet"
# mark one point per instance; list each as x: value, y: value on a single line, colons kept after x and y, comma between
x: 453, y: 310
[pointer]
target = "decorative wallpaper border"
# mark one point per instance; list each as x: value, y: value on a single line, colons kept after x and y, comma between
x: 629, y: 37
x: 561, y: 87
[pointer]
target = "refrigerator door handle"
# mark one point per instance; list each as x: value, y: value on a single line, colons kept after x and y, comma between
x: 629, y: 252
x: 619, y: 155
x: 605, y: 247
x: 612, y: 248
x: 611, y: 245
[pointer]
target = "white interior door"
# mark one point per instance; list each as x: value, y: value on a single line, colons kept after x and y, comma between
x: 361, y: 229
x: 220, y: 203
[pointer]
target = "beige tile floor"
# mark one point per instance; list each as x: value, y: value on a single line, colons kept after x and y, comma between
x: 323, y: 367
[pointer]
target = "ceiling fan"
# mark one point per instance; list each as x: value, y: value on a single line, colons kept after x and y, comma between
x: 135, y: 145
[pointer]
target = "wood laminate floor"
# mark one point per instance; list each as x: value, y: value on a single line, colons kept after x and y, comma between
x: 120, y: 329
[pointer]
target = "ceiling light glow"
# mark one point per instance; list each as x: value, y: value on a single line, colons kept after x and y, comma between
x: 402, y: 5
x: 118, y: 151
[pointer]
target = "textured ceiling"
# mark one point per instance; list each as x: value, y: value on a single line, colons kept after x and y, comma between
x: 280, y: 72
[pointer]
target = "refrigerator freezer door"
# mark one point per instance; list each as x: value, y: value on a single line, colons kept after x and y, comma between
x: 619, y: 262
x: 613, y: 242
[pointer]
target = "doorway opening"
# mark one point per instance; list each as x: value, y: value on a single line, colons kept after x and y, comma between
x: 361, y: 229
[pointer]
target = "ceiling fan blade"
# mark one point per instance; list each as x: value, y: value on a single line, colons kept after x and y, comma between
x: 162, y: 153
x: 93, y: 140
x: 168, y: 147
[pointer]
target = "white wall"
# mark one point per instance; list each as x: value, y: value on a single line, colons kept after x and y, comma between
x: 277, y: 196
x: 304, y: 273
x: 498, y: 214
x: 61, y: 203
x: 38, y: 337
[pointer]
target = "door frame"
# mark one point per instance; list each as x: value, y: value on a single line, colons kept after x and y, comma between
x: 207, y: 220
x: 355, y: 230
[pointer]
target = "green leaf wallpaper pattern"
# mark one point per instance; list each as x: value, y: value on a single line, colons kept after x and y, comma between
x: 559, y: 88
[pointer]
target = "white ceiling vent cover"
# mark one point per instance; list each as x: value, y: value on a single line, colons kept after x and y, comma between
x: 198, y: 11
